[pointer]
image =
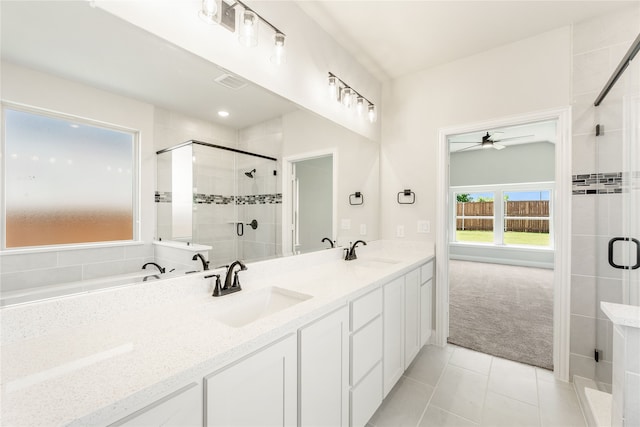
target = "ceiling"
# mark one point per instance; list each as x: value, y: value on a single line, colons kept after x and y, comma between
x: 396, y: 37
x: 78, y: 42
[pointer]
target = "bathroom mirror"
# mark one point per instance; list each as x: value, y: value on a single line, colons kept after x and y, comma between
x: 49, y: 46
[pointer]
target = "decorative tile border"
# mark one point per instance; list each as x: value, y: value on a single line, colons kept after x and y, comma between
x: 216, y: 199
x: 163, y: 197
x: 605, y: 183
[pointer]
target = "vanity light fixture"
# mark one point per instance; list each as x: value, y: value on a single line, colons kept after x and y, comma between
x: 223, y: 13
x: 347, y: 96
x: 248, y: 31
x: 278, y: 56
x: 208, y: 11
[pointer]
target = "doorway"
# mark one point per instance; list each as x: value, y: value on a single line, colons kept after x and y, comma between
x: 309, y: 191
x: 559, y: 217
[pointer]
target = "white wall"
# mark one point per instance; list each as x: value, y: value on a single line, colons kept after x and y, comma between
x: 529, y: 75
x: 311, y: 53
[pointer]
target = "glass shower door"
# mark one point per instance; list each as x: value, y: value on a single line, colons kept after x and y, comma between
x: 617, y: 209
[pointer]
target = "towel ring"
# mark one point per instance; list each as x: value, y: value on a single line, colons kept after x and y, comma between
x: 353, y: 197
x: 407, y: 193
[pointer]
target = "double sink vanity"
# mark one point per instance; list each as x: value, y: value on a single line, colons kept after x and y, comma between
x: 310, y: 340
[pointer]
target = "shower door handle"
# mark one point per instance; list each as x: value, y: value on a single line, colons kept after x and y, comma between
x: 624, y: 239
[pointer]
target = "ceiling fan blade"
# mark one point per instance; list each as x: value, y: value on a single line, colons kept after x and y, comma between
x: 467, y: 148
x: 498, y: 146
x: 512, y: 137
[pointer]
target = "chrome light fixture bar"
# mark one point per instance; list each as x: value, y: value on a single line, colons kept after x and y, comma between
x: 220, y: 12
x: 343, y: 93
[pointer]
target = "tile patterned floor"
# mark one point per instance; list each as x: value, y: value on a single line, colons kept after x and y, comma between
x: 454, y: 386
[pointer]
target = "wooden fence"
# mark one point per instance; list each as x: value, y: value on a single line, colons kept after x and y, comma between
x: 525, y: 213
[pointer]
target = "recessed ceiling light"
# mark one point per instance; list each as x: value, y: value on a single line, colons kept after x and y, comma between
x: 223, y: 113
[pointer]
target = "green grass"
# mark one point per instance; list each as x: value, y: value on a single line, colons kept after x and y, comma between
x: 510, y: 237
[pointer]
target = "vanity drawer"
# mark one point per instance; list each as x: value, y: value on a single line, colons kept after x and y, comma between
x: 365, y: 308
x: 426, y: 272
x: 366, y: 397
x: 366, y: 349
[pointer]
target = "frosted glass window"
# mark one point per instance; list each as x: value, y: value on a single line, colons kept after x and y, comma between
x: 67, y: 181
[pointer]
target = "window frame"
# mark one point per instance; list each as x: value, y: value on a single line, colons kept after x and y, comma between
x: 135, y: 179
x: 498, y: 211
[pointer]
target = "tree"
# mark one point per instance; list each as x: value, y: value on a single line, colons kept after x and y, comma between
x: 463, y: 198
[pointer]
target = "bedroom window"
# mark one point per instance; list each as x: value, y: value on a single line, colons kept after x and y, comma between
x: 67, y: 181
x: 503, y: 215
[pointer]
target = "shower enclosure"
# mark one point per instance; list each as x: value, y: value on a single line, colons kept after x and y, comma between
x: 220, y: 197
x: 615, y: 189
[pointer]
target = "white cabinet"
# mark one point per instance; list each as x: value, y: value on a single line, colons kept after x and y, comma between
x: 260, y: 389
x: 366, y: 357
x: 411, y: 316
x: 182, y: 408
x: 426, y: 301
x: 393, y: 319
x: 323, y: 371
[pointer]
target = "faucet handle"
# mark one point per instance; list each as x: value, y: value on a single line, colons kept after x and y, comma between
x: 236, y: 281
x: 217, y: 288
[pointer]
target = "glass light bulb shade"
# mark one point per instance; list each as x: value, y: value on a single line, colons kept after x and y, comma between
x: 279, y: 54
x: 372, y: 114
x: 333, y: 88
x: 248, y: 28
x: 360, y: 105
x: 208, y: 11
x: 347, y: 97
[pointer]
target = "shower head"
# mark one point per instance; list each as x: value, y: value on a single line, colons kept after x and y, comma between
x: 250, y: 174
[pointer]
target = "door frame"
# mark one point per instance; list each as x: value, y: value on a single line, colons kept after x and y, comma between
x: 561, y: 219
x: 287, y: 220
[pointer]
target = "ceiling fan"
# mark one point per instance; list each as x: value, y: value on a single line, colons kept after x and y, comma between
x: 488, y: 141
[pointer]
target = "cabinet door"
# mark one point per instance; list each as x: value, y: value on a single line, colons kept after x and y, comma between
x: 425, y: 312
x: 259, y: 390
x: 182, y: 408
x: 393, y: 338
x: 411, y: 316
x: 324, y: 370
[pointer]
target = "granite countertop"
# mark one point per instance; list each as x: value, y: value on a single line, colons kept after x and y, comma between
x: 622, y: 314
x: 93, y: 358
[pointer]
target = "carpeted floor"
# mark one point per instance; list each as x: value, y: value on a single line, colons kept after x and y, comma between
x: 502, y: 310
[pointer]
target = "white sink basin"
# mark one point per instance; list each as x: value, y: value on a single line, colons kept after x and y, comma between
x: 251, y: 306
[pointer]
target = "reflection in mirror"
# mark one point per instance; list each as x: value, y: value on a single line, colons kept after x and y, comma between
x: 118, y: 74
x: 312, y: 206
x: 219, y: 197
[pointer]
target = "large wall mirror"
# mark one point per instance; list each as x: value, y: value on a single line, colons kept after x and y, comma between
x: 71, y: 58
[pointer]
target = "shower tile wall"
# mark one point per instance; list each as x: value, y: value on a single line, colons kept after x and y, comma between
x: 598, y: 46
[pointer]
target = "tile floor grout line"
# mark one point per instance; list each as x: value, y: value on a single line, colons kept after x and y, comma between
x: 435, y: 387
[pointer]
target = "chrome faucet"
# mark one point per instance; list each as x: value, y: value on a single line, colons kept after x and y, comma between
x: 205, y: 263
x: 326, y: 239
x: 160, y: 269
x: 351, y: 253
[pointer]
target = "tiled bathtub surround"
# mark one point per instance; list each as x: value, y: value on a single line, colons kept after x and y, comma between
x: 605, y: 183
